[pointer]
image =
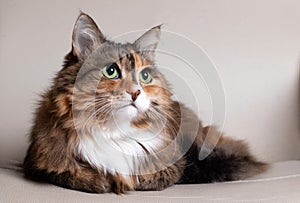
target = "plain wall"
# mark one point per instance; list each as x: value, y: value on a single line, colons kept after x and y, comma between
x: 254, y: 44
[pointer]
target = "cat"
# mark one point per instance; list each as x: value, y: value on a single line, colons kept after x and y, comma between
x: 108, y: 124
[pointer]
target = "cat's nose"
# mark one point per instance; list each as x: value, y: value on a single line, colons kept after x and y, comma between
x: 135, y: 94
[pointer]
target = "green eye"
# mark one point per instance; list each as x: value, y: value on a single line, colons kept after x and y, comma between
x: 145, y: 76
x: 112, y: 71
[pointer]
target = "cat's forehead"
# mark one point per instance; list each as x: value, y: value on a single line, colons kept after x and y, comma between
x: 125, y: 55
x: 133, y: 61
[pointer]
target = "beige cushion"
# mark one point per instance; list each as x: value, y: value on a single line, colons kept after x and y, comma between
x: 280, y: 184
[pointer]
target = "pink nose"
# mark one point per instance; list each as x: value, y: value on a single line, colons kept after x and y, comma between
x: 135, y: 95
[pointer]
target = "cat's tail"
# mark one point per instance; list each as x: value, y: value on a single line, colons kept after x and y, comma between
x: 229, y: 160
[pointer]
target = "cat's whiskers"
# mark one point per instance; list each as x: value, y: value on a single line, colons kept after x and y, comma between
x: 157, y: 114
x: 157, y: 120
x: 103, y: 109
x: 171, y: 116
x: 165, y: 116
x: 86, y: 130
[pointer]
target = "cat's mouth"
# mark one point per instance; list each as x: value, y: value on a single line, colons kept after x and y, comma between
x: 129, y: 105
x: 133, y: 104
x: 128, y: 111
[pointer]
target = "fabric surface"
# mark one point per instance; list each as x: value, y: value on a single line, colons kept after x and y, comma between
x: 280, y: 184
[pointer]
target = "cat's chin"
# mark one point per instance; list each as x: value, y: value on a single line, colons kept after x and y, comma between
x: 127, y: 113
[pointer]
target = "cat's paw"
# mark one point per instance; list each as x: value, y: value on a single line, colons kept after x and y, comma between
x: 120, y: 185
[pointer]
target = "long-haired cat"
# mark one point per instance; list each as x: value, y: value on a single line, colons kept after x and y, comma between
x: 108, y: 124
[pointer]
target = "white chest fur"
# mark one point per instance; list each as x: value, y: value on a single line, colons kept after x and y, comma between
x: 122, y: 149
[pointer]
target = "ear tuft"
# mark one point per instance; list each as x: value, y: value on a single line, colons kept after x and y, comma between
x: 148, y: 42
x: 86, y: 36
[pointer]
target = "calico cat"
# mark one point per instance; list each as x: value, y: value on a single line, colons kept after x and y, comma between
x: 108, y: 124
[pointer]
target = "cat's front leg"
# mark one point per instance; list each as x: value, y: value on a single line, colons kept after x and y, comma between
x: 74, y: 175
x: 161, y: 179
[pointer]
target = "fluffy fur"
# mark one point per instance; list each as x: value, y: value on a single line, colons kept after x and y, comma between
x: 96, y: 134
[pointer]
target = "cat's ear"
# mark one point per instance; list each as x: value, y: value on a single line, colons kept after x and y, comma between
x: 148, y: 42
x: 86, y: 37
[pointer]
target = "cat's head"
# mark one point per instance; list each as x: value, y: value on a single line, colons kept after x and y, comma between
x: 127, y: 84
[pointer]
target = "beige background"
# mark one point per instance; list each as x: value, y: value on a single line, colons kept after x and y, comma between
x: 254, y: 44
